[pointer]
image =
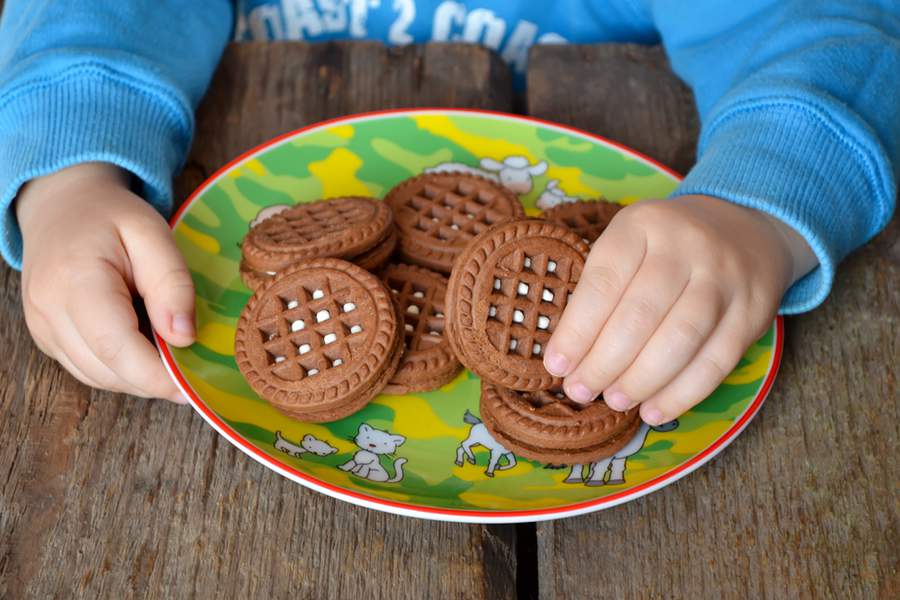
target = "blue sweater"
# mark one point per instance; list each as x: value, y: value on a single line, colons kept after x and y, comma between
x: 799, y: 100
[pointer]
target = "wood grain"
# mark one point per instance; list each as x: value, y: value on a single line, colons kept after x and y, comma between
x: 104, y: 495
x: 303, y: 84
x: 804, y: 504
x: 590, y: 86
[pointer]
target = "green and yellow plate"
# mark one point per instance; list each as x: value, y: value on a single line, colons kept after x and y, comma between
x: 432, y: 457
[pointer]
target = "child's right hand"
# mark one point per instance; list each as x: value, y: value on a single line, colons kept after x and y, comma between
x: 90, y: 244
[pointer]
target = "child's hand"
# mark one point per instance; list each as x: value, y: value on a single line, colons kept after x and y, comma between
x: 90, y: 244
x: 672, y: 295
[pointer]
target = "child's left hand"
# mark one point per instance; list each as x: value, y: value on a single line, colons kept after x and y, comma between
x: 672, y: 295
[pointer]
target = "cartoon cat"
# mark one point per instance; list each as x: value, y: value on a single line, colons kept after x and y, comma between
x: 373, y: 443
x: 309, y: 443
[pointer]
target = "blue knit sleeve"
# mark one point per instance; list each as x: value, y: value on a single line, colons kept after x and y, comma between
x: 86, y: 80
x: 800, y: 110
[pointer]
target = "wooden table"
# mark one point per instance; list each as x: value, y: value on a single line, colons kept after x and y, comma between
x: 104, y: 495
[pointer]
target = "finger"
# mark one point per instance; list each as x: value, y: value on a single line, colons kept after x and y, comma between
x: 72, y: 350
x: 115, y: 385
x: 614, y: 259
x: 39, y: 335
x: 670, y: 349
x: 89, y: 363
x: 42, y: 333
x: 106, y: 322
x: 712, y: 364
x: 647, y: 300
x: 77, y: 373
x: 56, y: 336
x: 178, y: 398
x: 162, y: 280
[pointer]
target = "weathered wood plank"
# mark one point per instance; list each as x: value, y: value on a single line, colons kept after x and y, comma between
x: 804, y: 504
x: 104, y: 495
x: 306, y: 84
x: 589, y: 86
x: 40, y: 405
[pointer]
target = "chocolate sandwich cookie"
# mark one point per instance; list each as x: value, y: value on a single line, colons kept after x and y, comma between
x: 334, y: 228
x: 253, y: 279
x: 427, y: 362
x: 548, y: 426
x: 373, y: 259
x: 370, y: 260
x: 587, y: 218
x: 505, y: 298
x: 437, y: 214
x: 319, y: 340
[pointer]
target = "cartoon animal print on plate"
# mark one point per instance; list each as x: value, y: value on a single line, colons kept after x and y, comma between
x: 374, y: 443
x: 268, y: 211
x: 515, y: 173
x: 553, y: 195
x: 309, y: 443
x: 596, y: 471
x: 479, y: 436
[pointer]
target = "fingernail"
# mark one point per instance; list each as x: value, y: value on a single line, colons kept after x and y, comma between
x: 653, y: 416
x: 617, y: 401
x: 579, y: 393
x: 183, y: 325
x: 556, y: 364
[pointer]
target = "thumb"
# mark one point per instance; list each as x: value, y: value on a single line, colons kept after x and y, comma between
x: 162, y: 280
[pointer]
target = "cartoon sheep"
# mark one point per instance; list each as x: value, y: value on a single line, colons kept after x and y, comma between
x: 515, y: 172
x: 268, y: 211
x: 553, y: 196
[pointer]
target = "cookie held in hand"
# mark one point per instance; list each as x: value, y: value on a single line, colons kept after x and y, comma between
x: 548, y: 426
x: 319, y: 340
x: 505, y: 297
x: 437, y: 214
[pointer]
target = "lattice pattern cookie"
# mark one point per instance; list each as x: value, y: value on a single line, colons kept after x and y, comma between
x: 549, y: 427
x: 437, y: 214
x: 427, y: 362
x: 319, y: 340
x: 369, y: 260
x: 587, y: 218
x: 334, y: 228
x: 505, y: 297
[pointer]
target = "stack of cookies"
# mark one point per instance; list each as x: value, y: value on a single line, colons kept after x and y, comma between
x: 506, y: 295
x: 357, y: 229
x: 352, y: 299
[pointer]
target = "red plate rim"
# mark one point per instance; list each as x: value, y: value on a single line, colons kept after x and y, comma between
x: 447, y: 514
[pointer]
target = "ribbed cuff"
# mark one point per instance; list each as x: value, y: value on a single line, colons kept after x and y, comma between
x: 795, y: 163
x: 88, y: 113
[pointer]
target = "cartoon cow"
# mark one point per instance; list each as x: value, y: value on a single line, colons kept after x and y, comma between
x: 616, y: 463
x: 515, y: 172
x: 553, y: 196
x: 479, y: 435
